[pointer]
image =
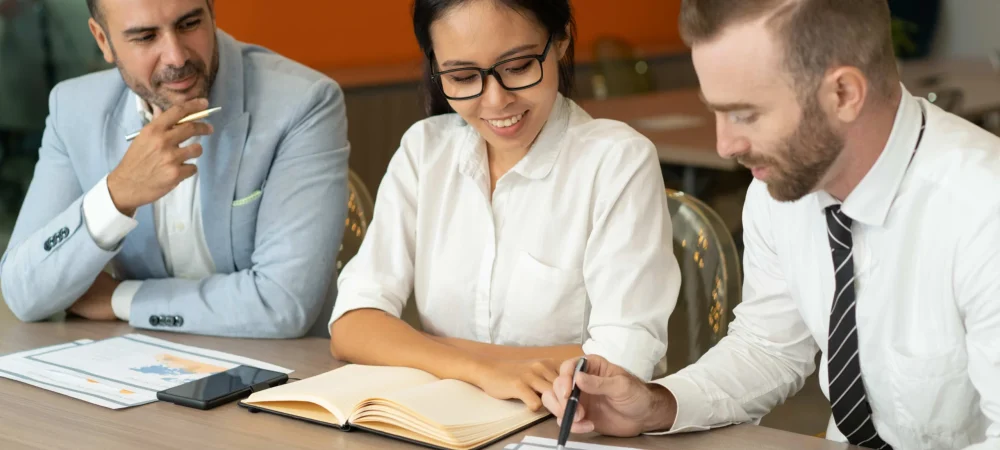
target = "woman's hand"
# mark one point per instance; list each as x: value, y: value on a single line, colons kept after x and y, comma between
x: 521, y: 380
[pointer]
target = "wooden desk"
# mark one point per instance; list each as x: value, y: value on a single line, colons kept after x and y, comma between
x: 35, y: 418
x: 677, y: 122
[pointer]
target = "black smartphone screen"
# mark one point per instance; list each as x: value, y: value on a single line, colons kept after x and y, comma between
x: 223, y: 383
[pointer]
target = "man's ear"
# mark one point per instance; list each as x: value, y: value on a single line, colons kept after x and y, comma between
x: 843, y: 93
x: 103, y: 40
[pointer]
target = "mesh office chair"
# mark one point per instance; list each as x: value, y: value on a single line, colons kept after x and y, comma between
x: 711, y: 280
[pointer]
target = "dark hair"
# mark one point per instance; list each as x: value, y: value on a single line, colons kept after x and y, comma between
x: 95, y: 10
x: 555, y: 15
x: 817, y: 35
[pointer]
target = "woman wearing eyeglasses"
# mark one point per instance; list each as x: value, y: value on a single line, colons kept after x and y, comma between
x: 529, y: 232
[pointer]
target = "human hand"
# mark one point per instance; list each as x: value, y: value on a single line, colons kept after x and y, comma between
x: 612, y: 401
x: 155, y: 163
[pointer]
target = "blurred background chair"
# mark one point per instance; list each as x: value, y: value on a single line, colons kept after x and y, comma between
x: 360, y: 208
x: 711, y: 280
x: 619, y: 71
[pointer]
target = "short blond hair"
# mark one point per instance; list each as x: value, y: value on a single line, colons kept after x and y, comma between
x: 817, y: 35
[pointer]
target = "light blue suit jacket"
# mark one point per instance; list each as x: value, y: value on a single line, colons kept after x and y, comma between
x: 282, y: 130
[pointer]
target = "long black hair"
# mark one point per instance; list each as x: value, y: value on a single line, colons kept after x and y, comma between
x: 555, y: 15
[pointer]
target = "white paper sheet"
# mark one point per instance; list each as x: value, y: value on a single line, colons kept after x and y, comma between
x: 537, y: 443
x: 119, y: 372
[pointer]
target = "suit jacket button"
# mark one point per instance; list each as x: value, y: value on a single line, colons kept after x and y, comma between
x: 64, y: 233
x: 154, y: 321
x: 178, y: 321
x: 48, y: 245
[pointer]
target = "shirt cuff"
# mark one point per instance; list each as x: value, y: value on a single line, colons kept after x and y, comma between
x: 693, y: 407
x: 121, y: 299
x: 107, y: 226
x: 348, y: 301
x: 633, y: 350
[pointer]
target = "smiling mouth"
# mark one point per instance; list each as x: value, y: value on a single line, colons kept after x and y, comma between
x: 506, y: 123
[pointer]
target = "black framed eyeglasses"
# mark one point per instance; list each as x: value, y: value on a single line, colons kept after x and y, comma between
x: 513, y: 74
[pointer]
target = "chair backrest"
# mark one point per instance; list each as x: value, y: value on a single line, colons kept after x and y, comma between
x: 711, y: 280
x: 619, y: 71
x: 360, y: 208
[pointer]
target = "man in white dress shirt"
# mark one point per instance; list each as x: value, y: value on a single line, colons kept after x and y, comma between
x: 872, y: 236
x: 229, y: 226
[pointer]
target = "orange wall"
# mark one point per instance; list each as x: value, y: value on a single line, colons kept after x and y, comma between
x: 329, y: 34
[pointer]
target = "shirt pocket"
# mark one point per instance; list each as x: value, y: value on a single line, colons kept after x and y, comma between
x: 545, y: 305
x: 244, y: 228
x: 934, y: 397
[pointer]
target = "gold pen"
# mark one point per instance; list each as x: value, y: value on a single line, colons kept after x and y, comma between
x: 191, y: 118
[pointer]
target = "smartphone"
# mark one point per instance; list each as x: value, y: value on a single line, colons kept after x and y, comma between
x: 223, y: 387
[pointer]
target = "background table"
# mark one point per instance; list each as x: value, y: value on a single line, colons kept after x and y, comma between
x: 689, y: 143
x: 36, y: 418
x: 976, y: 79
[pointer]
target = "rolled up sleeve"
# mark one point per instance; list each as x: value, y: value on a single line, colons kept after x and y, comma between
x: 380, y: 276
x: 630, y: 271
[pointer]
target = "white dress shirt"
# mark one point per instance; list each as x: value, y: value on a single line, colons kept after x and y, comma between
x: 179, y: 229
x: 927, y: 258
x: 573, y: 247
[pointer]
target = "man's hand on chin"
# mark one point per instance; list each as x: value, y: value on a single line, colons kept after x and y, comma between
x: 95, y: 304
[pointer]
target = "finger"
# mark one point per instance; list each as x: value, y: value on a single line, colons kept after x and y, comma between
x: 562, y: 387
x: 185, y: 131
x: 538, y: 384
x: 190, y: 152
x: 551, y: 403
x: 546, y: 371
x: 605, y: 386
x: 529, y: 397
x: 186, y: 171
x: 597, y: 365
x: 580, y: 413
x: 582, y: 427
x: 170, y: 117
x: 567, y: 368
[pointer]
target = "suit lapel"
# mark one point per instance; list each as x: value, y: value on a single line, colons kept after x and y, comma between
x: 219, y: 165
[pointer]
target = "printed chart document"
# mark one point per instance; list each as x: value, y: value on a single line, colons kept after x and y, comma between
x: 537, y: 443
x: 120, y: 372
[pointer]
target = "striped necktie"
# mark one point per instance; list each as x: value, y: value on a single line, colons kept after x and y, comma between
x: 847, y: 390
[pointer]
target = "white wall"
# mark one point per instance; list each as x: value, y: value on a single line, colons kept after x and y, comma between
x: 968, y: 28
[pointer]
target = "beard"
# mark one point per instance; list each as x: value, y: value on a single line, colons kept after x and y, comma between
x: 155, y: 94
x: 801, y: 160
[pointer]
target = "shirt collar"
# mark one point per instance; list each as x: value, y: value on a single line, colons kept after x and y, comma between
x: 870, y: 201
x: 145, y: 111
x: 540, y: 159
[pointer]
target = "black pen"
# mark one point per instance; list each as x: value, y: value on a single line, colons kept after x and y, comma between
x: 574, y: 398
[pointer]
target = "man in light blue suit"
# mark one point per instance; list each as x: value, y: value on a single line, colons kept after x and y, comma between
x: 225, y: 227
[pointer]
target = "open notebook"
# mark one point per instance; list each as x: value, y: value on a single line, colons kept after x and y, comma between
x: 399, y: 402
